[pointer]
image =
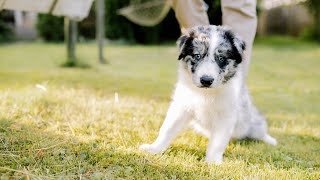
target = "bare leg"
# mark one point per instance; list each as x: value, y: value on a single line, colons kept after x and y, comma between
x: 177, y: 118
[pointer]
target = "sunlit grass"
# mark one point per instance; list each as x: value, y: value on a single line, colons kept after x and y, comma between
x: 76, y: 128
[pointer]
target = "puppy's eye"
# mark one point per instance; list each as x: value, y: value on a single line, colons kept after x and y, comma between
x: 220, y: 58
x: 197, y: 57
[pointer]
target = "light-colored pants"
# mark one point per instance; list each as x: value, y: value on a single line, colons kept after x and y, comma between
x: 240, y: 15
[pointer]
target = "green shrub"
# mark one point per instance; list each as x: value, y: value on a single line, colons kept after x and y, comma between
x: 87, y: 27
x: 116, y: 26
x: 50, y: 28
x: 314, y: 6
x: 6, y: 30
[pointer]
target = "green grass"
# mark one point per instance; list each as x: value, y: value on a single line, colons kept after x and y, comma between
x: 77, y: 130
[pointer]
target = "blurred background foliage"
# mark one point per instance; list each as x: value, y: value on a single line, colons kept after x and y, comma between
x: 314, y: 6
x: 50, y: 28
x: 289, y: 20
x: 6, y: 27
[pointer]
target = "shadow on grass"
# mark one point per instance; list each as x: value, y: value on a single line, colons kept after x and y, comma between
x: 75, y: 64
x: 303, y: 156
x: 29, y: 151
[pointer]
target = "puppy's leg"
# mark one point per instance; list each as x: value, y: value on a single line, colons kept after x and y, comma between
x: 219, y: 139
x: 177, y: 118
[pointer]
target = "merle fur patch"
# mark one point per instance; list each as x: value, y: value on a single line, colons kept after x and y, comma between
x: 227, y: 49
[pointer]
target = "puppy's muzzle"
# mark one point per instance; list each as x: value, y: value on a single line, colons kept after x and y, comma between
x: 206, y: 80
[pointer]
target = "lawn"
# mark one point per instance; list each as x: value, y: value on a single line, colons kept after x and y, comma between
x: 77, y: 127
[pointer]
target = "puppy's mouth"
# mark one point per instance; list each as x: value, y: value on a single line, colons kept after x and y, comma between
x: 204, y: 87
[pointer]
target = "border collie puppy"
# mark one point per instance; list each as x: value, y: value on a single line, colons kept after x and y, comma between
x: 210, y: 94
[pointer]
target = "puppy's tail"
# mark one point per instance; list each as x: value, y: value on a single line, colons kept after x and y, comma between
x: 269, y: 140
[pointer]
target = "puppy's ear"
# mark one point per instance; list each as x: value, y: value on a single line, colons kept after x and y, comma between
x: 239, y: 44
x: 235, y: 40
x: 185, y: 45
x: 180, y: 42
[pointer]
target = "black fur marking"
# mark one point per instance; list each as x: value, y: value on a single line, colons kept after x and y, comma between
x: 193, y: 69
x: 204, y: 30
x: 187, y: 48
x: 182, y: 40
x: 194, y: 65
x: 221, y: 61
x: 243, y: 45
x: 233, y: 52
x: 208, y: 31
x: 201, y: 28
x: 236, y: 55
x: 228, y: 76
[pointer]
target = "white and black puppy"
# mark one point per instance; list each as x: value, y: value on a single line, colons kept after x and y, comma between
x: 211, y: 94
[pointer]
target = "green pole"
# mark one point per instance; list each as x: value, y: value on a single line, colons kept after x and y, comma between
x: 100, y: 30
x: 71, y: 38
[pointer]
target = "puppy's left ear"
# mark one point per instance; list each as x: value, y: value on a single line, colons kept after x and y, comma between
x: 239, y: 44
x: 181, y: 40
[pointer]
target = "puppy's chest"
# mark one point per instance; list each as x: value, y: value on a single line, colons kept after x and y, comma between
x: 207, y: 111
x: 205, y: 107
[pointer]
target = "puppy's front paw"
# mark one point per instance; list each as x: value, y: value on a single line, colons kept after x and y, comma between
x: 150, y: 148
x: 217, y: 160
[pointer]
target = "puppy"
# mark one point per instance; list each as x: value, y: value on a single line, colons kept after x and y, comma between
x: 211, y: 94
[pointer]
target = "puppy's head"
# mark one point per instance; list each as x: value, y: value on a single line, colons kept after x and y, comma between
x: 210, y: 54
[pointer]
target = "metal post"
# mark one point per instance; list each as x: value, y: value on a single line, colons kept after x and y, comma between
x: 70, y: 38
x: 100, y: 30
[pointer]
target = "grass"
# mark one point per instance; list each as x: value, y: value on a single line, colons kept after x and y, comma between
x: 76, y: 128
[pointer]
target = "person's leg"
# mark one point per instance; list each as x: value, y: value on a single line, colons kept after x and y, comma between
x: 241, y: 16
x: 190, y: 13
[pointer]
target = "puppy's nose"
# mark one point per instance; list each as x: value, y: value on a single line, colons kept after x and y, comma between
x: 206, y: 80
